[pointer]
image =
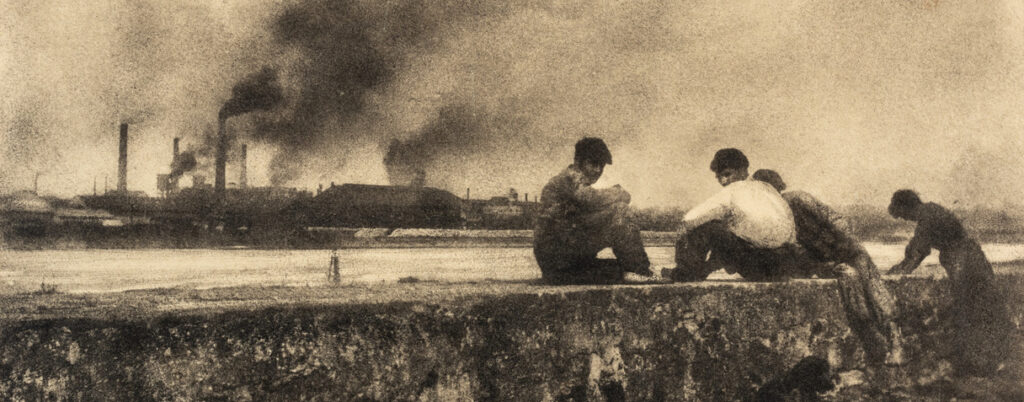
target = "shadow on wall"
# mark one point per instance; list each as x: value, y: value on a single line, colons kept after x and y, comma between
x: 809, y: 378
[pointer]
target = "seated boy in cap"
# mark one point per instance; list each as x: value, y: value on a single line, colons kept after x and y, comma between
x: 980, y: 320
x: 746, y: 226
x: 833, y: 252
x: 577, y: 221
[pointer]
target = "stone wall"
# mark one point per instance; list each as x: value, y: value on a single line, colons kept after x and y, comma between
x: 708, y: 341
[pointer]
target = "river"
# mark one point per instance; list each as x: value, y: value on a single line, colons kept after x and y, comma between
x: 83, y: 271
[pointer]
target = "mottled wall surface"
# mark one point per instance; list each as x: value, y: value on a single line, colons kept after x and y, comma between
x: 674, y: 342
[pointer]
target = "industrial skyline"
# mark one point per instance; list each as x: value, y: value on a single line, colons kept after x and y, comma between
x: 848, y: 100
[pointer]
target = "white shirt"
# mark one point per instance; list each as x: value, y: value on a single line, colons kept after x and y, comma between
x: 752, y: 210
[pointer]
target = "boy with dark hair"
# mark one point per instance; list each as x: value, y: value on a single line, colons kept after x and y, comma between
x: 746, y: 226
x: 980, y: 319
x: 834, y: 252
x: 577, y: 221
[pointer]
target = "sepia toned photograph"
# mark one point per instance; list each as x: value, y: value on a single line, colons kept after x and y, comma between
x: 511, y: 200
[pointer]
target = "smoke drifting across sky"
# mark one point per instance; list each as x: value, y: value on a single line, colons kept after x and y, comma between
x: 847, y: 100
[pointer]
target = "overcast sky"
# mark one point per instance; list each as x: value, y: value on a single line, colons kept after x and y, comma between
x: 849, y: 100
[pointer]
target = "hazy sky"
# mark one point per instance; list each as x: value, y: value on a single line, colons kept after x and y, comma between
x: 849, y: 100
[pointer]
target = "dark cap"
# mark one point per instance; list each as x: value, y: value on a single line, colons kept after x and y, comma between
x: 903, y: 200
x: 593, y: 150
x: 771, y: 177
x: 729, y: 158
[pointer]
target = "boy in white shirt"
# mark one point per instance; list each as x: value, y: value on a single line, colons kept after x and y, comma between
x: 747, y: 227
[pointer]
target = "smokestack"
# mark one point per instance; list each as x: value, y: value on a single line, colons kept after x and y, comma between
x: 243, y: 181
x: 220, y: 158
x: 176, y: 140
x: 122, y: 161
x: 259, y: 91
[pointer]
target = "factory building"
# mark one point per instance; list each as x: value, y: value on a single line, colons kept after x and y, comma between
x: 245, y: 208
x: 365, y: 205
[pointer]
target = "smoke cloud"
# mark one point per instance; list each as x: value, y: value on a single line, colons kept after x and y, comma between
x: 457, y: 132
x: 183, y: 163
x: 259, y: 91
x: 346, y: 55
x: 847, y: 100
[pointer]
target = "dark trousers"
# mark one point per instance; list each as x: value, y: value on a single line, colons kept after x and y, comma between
x: 870, y: 307
x: 981, y: 322
x: 568, y: 254
x: 727, y: 251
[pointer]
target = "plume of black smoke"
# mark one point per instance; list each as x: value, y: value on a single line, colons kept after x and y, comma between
x: 259, y: 91
x: 458, y: 129
x: 183, y: 163
x: 198, y: 159
x: 404, y: 161
x: 350, y: 49
x: 342, y: 63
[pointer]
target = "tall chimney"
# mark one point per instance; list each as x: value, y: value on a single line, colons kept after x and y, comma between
x: 220, y: 158
x: 122, y: 161
x: 171, y: 181
x: 243, y: 181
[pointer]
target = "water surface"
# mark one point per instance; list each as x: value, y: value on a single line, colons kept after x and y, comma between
x: 117, y: 270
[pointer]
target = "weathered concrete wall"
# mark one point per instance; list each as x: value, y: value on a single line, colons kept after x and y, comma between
x: 667, y: 342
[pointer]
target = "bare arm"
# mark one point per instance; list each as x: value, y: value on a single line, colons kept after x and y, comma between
x: 918, y: 248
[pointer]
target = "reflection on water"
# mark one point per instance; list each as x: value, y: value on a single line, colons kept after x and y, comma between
x: 115, y: 270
